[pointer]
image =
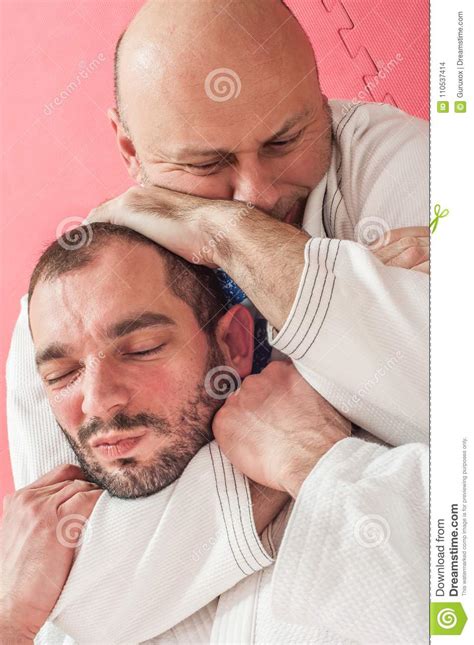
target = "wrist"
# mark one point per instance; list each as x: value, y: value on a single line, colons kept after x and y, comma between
x: 12, y: 629
x: 12, y: 633
x: 224, y: 224
x: 293, y: 478
x: 300, y: 466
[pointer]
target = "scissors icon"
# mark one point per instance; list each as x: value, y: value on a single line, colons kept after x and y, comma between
x: 438, y: 215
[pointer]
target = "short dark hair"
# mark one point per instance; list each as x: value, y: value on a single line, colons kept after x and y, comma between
x: 116, y: 75
x: 196, y: 285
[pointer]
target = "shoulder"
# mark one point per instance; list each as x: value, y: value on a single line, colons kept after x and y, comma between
x: 374, y: 145
x: 373, y: 119
x: 370, y: 137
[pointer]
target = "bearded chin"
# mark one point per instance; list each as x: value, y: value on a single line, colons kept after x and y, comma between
x: 130, y: 478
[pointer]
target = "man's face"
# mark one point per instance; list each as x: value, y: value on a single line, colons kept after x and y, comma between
x: 268, y: 143
x: 124, y: 362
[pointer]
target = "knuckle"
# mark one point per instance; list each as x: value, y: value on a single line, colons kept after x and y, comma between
x: 81, y: 498
x: 21, y: 497
x: 272, y: 365
x: 282, y: 364
x: 221, y: 414
x: 25, y: 507
x: 33, y: 512
x: 249, y: 381
x: 78, y: 505
x: 65, y: 469
x: 423, y: 252
x: 410, y: 241
x: 277, y: 366
x: 415, y: 255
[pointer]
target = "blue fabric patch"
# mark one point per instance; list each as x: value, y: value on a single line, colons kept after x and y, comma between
x: 262, y: 349
x: 233, y: 293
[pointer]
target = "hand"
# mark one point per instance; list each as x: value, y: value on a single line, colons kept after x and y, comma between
x: 37, y: 545
x: 275, y: 427
x: 184, y: 224
x: 408, y: 248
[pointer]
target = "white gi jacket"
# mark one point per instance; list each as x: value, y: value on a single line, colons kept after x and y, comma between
x: 186, y: 565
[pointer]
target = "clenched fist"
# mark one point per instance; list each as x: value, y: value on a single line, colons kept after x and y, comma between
x: 275, y: 427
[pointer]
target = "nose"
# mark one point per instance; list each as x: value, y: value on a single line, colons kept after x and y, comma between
x: 254, y: 182
x: 104, y: 393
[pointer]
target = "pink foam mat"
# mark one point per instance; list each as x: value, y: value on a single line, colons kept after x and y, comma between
x: 379, y: 48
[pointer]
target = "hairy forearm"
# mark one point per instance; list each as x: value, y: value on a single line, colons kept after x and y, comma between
x: 265, y: 257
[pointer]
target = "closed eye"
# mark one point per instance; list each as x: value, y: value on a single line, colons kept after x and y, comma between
x: 205, y: 169
x: 147, y: 352
x: 203, y: 165
x: 56, y: 379
x: 285, y: 142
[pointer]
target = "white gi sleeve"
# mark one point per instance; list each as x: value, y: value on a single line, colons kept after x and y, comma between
x: 354, y: 556
x: 358, y: 333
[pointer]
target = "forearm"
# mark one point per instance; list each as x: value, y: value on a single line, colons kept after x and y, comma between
x: 265, y: 257
x: 12, y: 631
x: 9, y: 635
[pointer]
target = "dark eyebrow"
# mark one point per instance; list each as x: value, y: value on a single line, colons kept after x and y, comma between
x: 141, y: 321
x: 126, y: 326
x: 51, y: 353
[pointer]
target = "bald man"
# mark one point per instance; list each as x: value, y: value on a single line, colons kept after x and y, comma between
x: 264, y: 177
x: 285, y: 191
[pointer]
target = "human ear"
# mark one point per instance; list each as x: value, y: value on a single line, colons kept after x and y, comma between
x: 125, y: 145
x: 234, y: 334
